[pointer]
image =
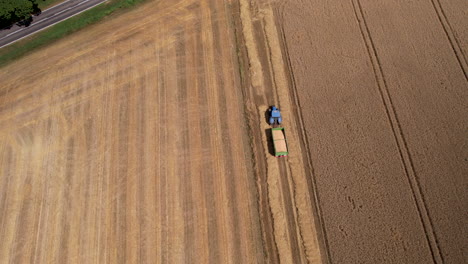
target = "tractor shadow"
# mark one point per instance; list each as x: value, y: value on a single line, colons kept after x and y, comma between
x: 269, y: 137
x: 267, y: 115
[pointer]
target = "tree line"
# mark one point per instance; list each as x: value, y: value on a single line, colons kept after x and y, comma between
x: 14, y: 11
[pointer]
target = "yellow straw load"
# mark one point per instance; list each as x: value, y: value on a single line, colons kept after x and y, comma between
x: 279, y: 141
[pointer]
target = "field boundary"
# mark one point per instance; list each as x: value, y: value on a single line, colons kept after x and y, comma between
x: 272, y: 45
x: 321, y: 231
x: 267, y: 229
x: 400, y: 140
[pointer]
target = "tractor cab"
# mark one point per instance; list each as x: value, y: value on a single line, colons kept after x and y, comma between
x: 275, y: 116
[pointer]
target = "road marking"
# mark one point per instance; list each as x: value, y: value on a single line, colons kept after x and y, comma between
x: 66, y: 10
x: 57, y: 5
x: 45, y: 19
x: 48, y: 9
x: 53, y: 24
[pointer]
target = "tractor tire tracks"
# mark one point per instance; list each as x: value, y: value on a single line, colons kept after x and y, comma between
x: 454, y: 42
x: 400, y: 140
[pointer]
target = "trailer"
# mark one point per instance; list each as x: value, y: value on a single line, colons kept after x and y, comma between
x: 279, y: 142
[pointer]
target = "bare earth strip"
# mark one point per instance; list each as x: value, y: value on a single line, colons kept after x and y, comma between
x: 382, y: 90
x: 286, y: 179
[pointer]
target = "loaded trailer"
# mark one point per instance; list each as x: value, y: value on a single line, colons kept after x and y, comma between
x: 279, y: 142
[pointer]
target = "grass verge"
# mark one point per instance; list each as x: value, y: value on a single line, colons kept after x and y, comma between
x: 62, y: 29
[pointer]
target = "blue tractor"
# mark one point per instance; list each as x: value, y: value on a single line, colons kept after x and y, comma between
x: 275, y: 116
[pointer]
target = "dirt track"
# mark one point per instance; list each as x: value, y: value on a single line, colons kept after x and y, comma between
x: 147, y: 142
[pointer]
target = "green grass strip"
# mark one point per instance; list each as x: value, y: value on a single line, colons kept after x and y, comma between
x: 62, y: 29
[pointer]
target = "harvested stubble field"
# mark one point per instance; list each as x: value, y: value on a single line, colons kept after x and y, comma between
x: 146, y: 141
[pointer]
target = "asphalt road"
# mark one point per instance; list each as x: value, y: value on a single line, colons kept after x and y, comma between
x: 46, y: 19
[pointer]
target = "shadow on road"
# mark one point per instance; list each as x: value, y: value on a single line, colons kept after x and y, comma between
x: 8, y: 24
x: 25, y: 22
